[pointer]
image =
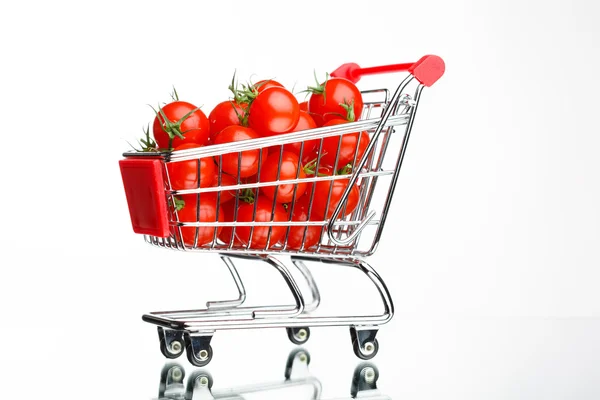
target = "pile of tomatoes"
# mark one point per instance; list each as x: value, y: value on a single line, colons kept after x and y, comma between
x: 255, y: 110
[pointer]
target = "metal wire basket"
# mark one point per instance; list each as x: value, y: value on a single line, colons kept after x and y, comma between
x: 388, y: 121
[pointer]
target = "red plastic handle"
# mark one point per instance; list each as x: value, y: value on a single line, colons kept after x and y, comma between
x: 427, y: 70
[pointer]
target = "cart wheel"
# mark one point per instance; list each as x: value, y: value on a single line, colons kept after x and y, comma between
x: 171, y: 342
x: 298, y: 335
x: 367, y: 351
x: 173, y: 351
x: 202, y: 358
x: 198, y: 349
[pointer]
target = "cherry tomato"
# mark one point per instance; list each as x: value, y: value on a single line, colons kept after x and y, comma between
x: 275, y: 110
x: 226, y: 180
x: 327, y: 105
x: 321, y: 210
x: 305, y: 122
x: 303, y: 106
x: 352, y: 144
x: 249, y: 159
x: 195, y: 128
x: 323, y: 170
x: 184, y: 174
x: 261, y: 86
x: 264, y: 212
x: 227, y: 213
x: 296, y: 235
x: 189, y: 213
x: 225, y: 114
x: 289, y: 167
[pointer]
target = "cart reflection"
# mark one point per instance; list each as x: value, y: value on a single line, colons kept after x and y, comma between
x: 198, y: 385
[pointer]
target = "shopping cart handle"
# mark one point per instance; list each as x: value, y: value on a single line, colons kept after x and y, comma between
x: 427, y: 70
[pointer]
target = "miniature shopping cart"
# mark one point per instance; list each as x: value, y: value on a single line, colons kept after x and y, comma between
x: 174, y: 385
x: 345, y: 238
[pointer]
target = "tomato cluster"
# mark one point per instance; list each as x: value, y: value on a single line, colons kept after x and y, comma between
x: 256, y: 110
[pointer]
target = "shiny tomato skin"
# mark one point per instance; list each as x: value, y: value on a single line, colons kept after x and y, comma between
x: 208, y: 213
x: 263, y: 85
x: 297, y: 233
x: 325, y: 107
x: 275, y: 110
x: 225, y: 114
x: 227, y: 212
x: 250, y: 158
x: 289, y: 167
x: 352, y: 144
x: 226, y: 180
x: 195, y: 129
x: 264, y: 207
x: 321, y: 209
x: 184, y: 174
x: 305, y: 122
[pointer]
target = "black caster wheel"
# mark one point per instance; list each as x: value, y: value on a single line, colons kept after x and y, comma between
x: 366, y: 352
x: 364, y: 343
x: 298, y: 335
x: 198, y: 349
x: 171, y: 343
x: 202, y: 358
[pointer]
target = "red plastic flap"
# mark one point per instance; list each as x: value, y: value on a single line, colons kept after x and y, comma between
x: 145, y: 192
x: 428, y: 69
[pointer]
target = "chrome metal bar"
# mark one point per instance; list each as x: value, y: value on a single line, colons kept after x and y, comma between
x: 388, y: 200
x: 221, y: 304
x: 288, y: 138
x: 215, y: 323
x: 386, y: 115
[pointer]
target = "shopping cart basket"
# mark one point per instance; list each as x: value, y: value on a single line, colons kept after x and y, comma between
x: 354, y: 206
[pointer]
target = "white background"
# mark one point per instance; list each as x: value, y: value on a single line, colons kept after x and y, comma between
x: 490, y: 252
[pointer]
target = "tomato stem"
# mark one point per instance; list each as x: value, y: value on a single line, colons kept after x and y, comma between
x: 349, y: 107
x: 174, y: 95
x: 179, y: 203
x: 173, y: 129
x: 320, y: 88
x: 147, y: 144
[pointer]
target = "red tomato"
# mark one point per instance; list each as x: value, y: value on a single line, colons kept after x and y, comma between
x: 305, y: 122
x: 297, y: 235
x: 303, y: 106
x: 250, y: 158
x: 327, y: 104
x: 352, y: 144
x: 225, y: 114
x: 261, y: 86
x: 289, y: 168
x: 189, y: 213
x: 227, y: 213
x: 275, y: 110
x: 321, y: 210
x: 195, y: 128
x: 322, y: 171
x: 264, y: 213
x: 226, y: 180
x: 184, y: 174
